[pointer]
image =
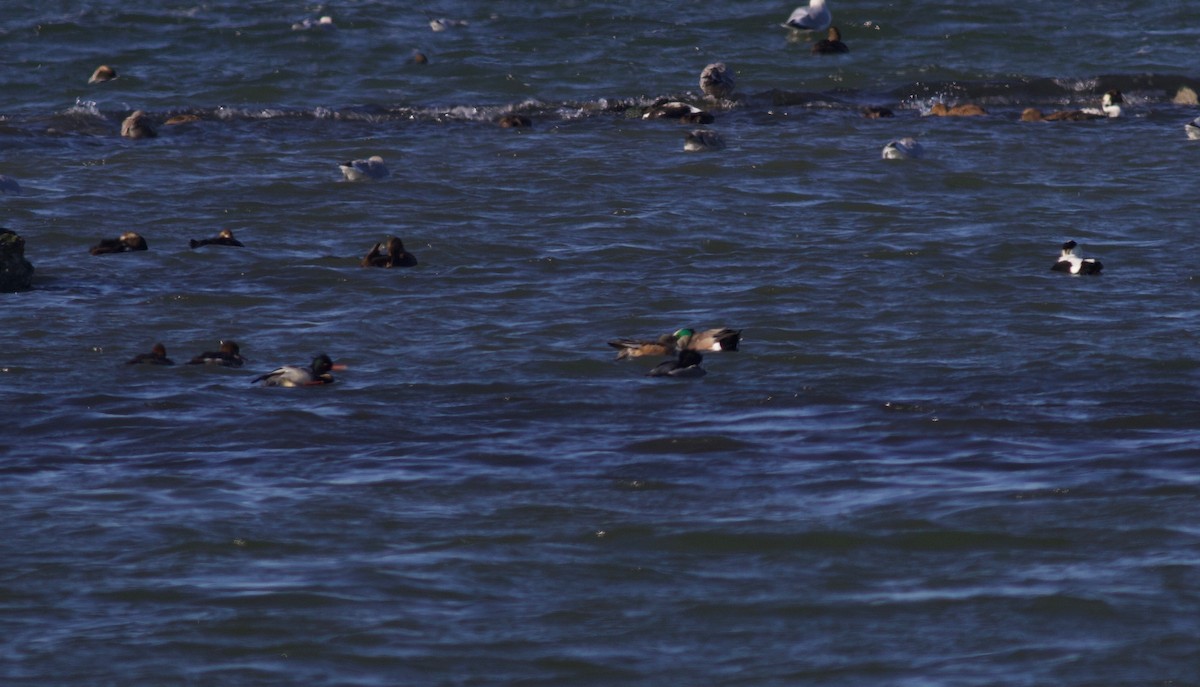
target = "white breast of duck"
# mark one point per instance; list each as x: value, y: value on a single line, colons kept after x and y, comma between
x: 1073, y: 264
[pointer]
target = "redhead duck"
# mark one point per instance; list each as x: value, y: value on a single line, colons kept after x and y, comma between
x: 1073, y: 264
x: 290, y: 375
x: 902, y: 149
x: 137, y: 125
x: 699, y: 140
x: 363, y: 170
x: 815, y: 17
x: 229, y: 356
x: 686, y: 365
x: 156, y: 356
x: 125, y: 243
x: 720, y: 339
x: 103, y: 73
x: 223, y: 238
x: 389, y: 254
x: 716, y: 81
x: 939, y: 109
x: 681, y: 112
x: 831, y: 45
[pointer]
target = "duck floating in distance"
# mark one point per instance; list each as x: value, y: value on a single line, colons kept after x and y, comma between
x: 686, y: 365
x: 815, y: 17
x: 831, y: 45
x: 679, y: 111
x: 700, y: 140
x: 230, y: 355
x: 103, y: 73
x: 1110, y: 106
x: 125, y: 243
x: 391, y: 253
x: 316, y: 374
x: 324, y: 23
x: 156, y: 356
x: 364, y: 170
x: 223, y: 238
x: 903, y: 149
x: 1073, y: 264
x: 716, y: 81
x: 137, y: 125
x: 939, y: 109
x: 1193, y: 129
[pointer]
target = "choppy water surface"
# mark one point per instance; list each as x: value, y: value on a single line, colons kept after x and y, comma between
x: 933, y: 462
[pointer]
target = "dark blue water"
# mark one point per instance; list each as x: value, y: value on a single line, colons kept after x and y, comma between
x: 933, y: 461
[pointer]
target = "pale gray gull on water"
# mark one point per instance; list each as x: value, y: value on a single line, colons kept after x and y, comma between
x: 363, y: 170
x: 815, y: 17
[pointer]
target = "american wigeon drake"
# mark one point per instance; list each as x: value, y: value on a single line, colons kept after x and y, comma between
x: 699, y: 140
x: 716, y: 81
x: 903, y: 149
x: 315, y: 374
x: 230, y: 355
x: 815, y: 17
x: 103, y: 73
x: 1073, y: 264
x: 125, y: 243
x: 939, y: 109
x: 137, y: 125
x: 831, y: 45
x: 686, y: 365
x: 679, y: 111
x: 156, y: 356
x: 637, y: 348
x: 364, y: 170
x: 391, y: 253
x: 719, y: 339
x: 223, y: 238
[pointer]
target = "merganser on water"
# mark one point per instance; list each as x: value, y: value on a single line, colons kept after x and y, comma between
x: 224, y: 238
x: 716, y: 81
x: 389, y: 254
x: 1193, y: 129
x: 903, y: 148
x: 1073, y: 264
x: 125, y: 243
x: 137, y: 125
x: 363, y: 170
x: 290, y: 375
x: 156, y: 356
x: 831, y: 45
x: 815, y: 17
x: 229, y: 356
x: 686, y: 365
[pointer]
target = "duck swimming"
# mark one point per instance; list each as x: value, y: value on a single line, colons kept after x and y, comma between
x: 699, y: 140
x: 902, y: 149
x: 229, y: 356
x: 1072, y: 264
x: 686, y: 365
x: 939, y: 109
x: 1109, y: 107
x: 815, y: 17
x: 389, y: 254
x: 315, y: 374
x: 1193, y: 129
x: 103, y: 73
x: 137, y: 125
x: 634, y: 348
x: 831, y: 45
x: 716, y: 81
x: 679, y: 111
x: 720, y: 339
x: 125, y: 243
x: 224, y: 238
x: 156, y: 356
x: 364, y: 170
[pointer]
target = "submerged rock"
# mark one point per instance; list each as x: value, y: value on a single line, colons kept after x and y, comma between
x: 16, y: 273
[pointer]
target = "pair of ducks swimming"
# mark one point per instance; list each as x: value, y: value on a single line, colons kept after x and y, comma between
x: 132, y: 241
x: 229, y: 355
x: 685, y: 344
